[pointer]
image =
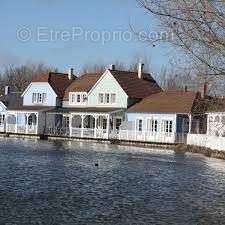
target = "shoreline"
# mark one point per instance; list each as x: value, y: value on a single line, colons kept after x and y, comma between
x: 179, y: 148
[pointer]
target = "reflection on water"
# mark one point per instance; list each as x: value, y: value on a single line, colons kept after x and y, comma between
x: 59, y: 183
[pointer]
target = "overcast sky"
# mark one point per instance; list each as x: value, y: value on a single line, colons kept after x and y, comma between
x: 65, y: 33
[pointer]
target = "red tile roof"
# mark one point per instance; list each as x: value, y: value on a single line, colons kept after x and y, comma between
x: 58, y: 81
x: 82, y: 84
x: 166, y: 102
x: 134, y: 86
x: 129, y: 81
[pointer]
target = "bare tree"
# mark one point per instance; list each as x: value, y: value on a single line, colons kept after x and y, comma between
x: 19, y: 77
x: 101, y: 67
x: 198, y: 28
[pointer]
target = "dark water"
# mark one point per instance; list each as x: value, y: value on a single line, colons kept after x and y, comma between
x: 58, y: 183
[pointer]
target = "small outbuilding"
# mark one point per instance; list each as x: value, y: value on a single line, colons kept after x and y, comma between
x: 165, y: 117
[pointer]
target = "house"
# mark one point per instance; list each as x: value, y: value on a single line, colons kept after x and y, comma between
x: 7, y: 101
x: 94, y: 105
x: 164, y: 117
x: 26, y: 113
x: 216, y: 117
x: 214, y: 138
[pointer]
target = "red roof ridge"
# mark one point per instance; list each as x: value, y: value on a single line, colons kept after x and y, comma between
x: 58, y: 81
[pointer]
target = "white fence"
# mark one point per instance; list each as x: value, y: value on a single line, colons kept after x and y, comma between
x: 203, y: 140
x: 21, y: 129
x: 127, y: 135
x: 157, y: 137
x: 78, y: 132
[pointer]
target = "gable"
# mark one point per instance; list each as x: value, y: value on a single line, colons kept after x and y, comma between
x: 105, y: 82
x: 82, y: 84
x: 34, y: 87
x: 108, y: 84
x: 41, y: 87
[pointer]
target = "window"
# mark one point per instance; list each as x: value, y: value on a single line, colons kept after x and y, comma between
x: 152, y: 125
x: 107, y: 98
x: 104, y: 124
x: 44, y: 97
x: 118, y: 123
x: 139, y: 125
x: 168, y: 126
x: 78, y: 98
x: 66, y: 121
x: 73, y: 98
x: 39, y: 98
x: 101, y: 98
x: 34, y: 98
x: 2, y: 119
x: 84, y: 98
x: 113, y: 98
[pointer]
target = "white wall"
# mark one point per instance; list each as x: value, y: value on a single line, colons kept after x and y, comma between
x: 3, y: 111
x: 108, y: 84
x: 42, y: 87
x: 203, y: 140
x: 132, y: 117
x: 146, y: 135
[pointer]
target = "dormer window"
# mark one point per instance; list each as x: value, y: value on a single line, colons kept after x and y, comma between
x: 107, y: 98
x: 39, y: 98
x: 78, y: 98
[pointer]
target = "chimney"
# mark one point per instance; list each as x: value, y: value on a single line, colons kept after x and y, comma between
x: 140, y: 70
x: 186, y: 89
x: 7, y: 90
x: 70, y: 74
x: 112, y: 67
x: 205, y: 90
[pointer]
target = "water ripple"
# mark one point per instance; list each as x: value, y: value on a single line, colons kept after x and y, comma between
x: 59, y: 183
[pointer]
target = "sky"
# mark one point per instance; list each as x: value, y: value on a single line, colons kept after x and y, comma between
x: 73, y: 33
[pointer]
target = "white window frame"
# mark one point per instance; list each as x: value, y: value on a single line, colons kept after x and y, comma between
x: 2, y: 119
x: 73, y: 98
x: 168, y: 126
x: 39, y: 98
x: 107, y: 94
x: 104, y: 98
x: 78, y: 99
x: 99, y: 98
x: 152, y: 125
x: 137, y: 124
x: 34, y: 98
x: 111, y: 98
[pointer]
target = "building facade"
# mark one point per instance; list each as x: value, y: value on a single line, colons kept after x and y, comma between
x: 94, y: 105
x: 115, y: 104
x: 26, y: 112
x: 165, y: 117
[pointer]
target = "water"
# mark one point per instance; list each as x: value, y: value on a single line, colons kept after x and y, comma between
x: 58, y: 183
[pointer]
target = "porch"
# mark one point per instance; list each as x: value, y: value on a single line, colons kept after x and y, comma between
x: 86, y: 123
x: 22, y: 123
x: 162, y: 128
x: 2, y: 122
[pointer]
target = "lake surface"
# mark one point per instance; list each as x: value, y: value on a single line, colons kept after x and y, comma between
x: 58, y: 183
